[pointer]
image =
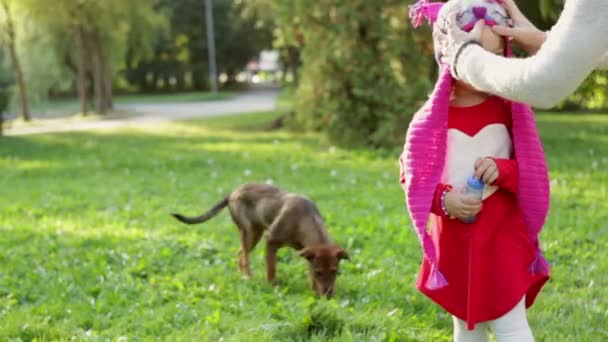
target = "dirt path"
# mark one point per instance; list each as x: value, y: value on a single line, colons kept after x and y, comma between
x: 258, y: 100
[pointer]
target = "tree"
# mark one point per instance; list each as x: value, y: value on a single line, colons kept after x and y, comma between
x: 364, y: 70
x: 94, y: 23
x: 91, y: 37
x: 180, y: 55
x: 242, y: 37
x: 65, y: 22
x: 279, y: 17
x: 83, y: 58
x: 8, y: 8
x: 5, y: 82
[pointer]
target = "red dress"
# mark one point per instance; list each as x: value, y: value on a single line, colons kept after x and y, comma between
x: 486, y: 262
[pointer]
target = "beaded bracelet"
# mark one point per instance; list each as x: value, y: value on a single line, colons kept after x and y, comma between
x: 443, y: 208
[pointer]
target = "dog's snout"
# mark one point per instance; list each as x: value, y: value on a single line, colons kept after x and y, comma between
x: 329, y: 292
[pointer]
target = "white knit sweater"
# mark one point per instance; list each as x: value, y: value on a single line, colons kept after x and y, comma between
x: 576, y: 45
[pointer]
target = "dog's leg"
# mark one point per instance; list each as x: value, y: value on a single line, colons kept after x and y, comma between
x: 248, y: 243
x: 271, y: 261
x: 278, y: 233
x: 250, y: 236
x: 244, y: 254
x: 239, y: 218
x: 276, y: 239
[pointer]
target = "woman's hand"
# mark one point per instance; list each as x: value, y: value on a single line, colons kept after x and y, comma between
x: 451, y: 38
x: 523, y: 32
x: 460, y: 206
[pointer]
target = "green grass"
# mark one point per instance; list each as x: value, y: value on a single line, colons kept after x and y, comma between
x: 88, y: 249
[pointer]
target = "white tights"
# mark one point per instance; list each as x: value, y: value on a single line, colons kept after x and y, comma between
x: 512, y: 327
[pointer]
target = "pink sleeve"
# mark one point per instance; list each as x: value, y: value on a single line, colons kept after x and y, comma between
x: 508, y: 174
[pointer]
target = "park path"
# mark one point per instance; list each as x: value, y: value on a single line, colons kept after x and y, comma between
x: 150, y: 113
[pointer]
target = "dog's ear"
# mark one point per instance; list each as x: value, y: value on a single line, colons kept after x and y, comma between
x: 308, y: 253
x: 341, y: 253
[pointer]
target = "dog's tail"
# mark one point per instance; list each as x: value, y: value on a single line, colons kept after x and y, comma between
x: 204, y: 217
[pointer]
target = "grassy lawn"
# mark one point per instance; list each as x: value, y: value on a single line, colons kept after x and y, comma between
x: 89, y: 251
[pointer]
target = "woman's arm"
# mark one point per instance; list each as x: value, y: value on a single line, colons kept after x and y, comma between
x: 602, y: 65
x: 573, y: 49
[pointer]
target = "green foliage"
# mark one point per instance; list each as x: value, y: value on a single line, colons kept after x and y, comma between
x: 591, y: 94
x: 42, y: 66
x: 543, y: 13
x: 550, y: 9
x: 47, y: 38
x: 89, y: 251
x: 364, y: 72
x: 146, y: 43
x: 180, y: 59
x: 240, y: 37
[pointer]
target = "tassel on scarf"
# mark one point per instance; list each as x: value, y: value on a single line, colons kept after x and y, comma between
x: 539, y: 265
x: 436, y: 279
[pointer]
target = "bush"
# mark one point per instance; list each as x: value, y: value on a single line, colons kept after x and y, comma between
x: 591, y: 95
x: 364, y: 72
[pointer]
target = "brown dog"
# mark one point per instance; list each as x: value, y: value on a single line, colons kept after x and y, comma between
x: 290, y: 220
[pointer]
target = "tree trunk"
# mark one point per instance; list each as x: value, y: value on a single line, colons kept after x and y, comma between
x: 97, y: 84
x: 98, y: 74
x: 21, y: 88
x: 231, y: 74
x: 294, y: 63
x: 82, y: 71
x: 107, y: 81
x: 181, y: 79
x: 106, y: 74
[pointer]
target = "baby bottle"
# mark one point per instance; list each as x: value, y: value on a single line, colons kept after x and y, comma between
x: 473, y: 189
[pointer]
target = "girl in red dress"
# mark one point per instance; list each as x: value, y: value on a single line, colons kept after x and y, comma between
x: 484, y: 273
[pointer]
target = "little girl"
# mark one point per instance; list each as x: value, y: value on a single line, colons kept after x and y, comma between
x: 484, y: 273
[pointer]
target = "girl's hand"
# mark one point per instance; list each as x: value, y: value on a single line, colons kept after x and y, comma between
x: 461, y: 206
x: 523, y: 32
x: 486, y: 170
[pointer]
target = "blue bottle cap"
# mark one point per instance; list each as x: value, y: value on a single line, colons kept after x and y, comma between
x: 474, y: 183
